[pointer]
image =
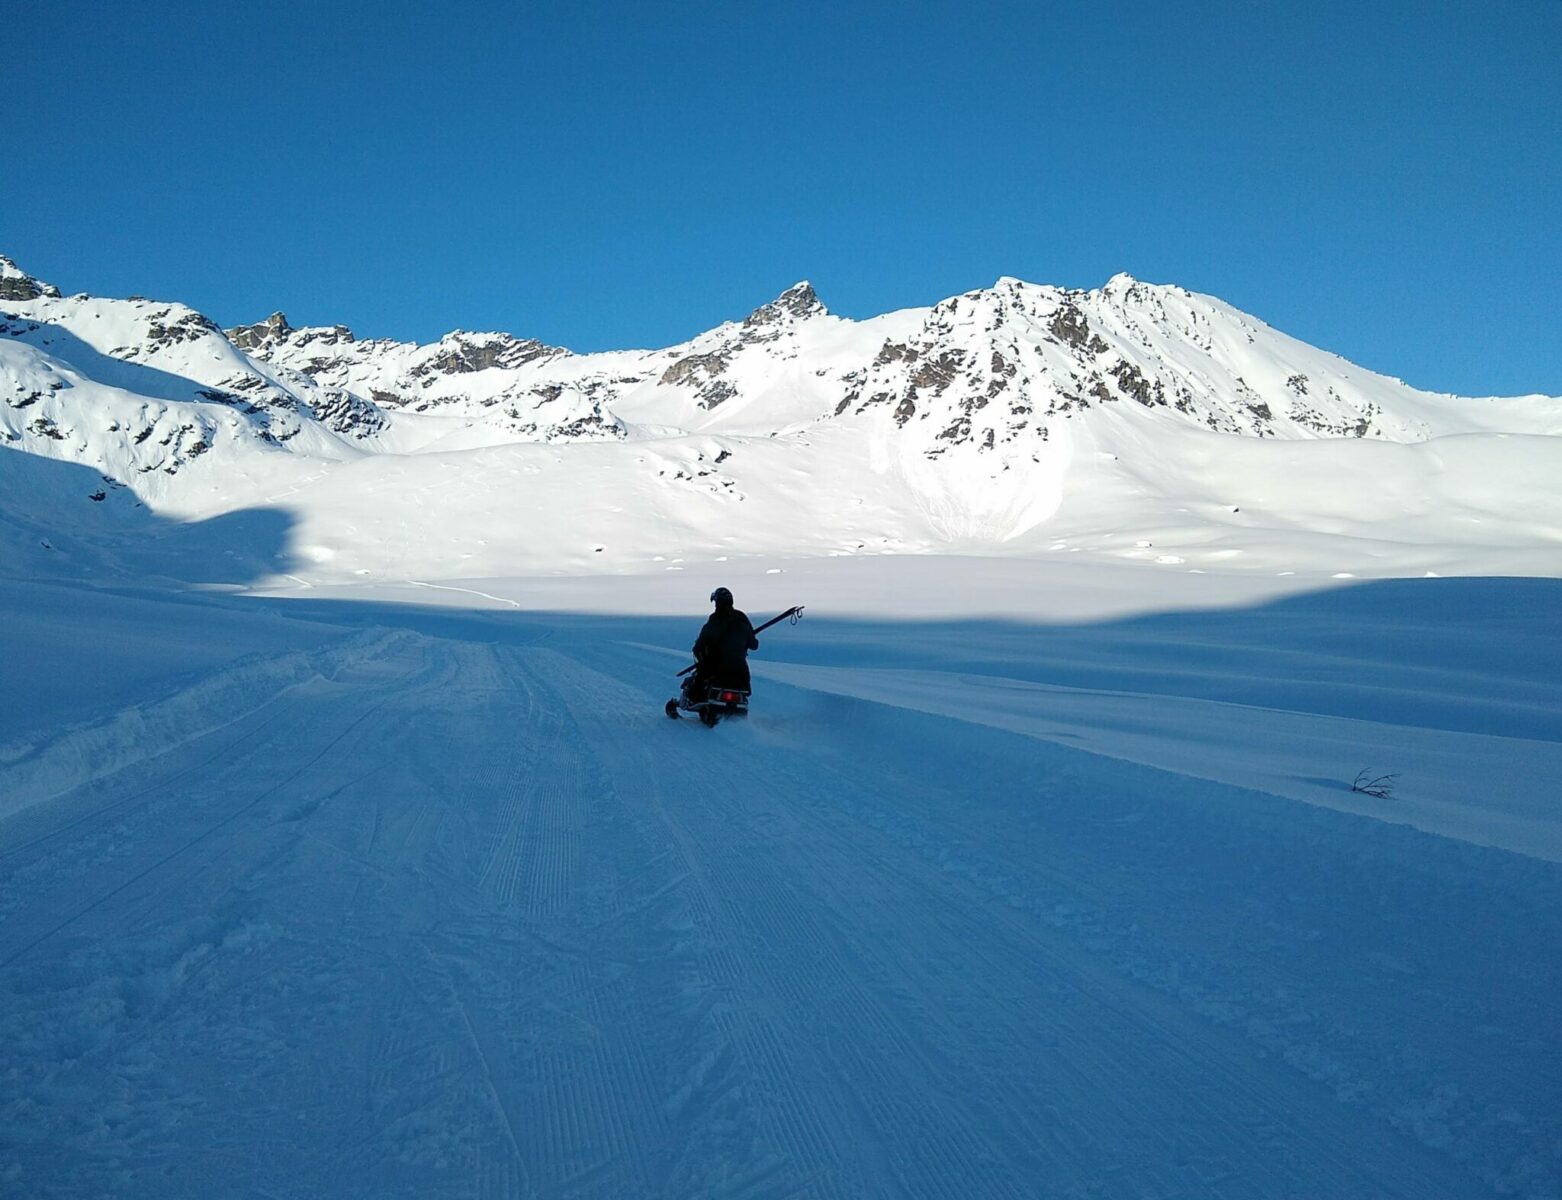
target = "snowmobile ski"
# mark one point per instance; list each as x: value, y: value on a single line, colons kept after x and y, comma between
x: 716, y: 703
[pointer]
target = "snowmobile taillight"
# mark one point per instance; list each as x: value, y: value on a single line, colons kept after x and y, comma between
x: 729, y: 697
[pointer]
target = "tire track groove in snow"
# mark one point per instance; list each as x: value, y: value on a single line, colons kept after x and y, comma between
x: 485, y: 1061
x: 771, y: 1091
x: 557, y: 784
x: 186, y: 846
x: 43, y: 814
x: 831, y: 806
x: 78, y: 756
x: 550, y: 1014
x: 780, y: 922
x: 1108, y: 987
x: 603, y: 1091
x: 49, y: 871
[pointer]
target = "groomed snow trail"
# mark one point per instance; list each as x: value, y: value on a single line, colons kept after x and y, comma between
x: 472, y: 918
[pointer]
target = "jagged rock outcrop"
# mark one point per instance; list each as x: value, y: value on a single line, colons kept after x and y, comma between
x: 252, y: 337
x: 464, y: 353
x: 16, y: 284
x: 702, y: 373
x: 798, y: 302
x: 349, y: 414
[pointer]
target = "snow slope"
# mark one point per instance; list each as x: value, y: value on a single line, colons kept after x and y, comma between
x: 968, y: 908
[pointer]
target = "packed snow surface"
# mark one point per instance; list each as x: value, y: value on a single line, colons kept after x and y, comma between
x: 1051, y: 884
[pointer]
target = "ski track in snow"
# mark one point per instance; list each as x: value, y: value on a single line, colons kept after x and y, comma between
x: 442, y: 587
x: 472, y: 918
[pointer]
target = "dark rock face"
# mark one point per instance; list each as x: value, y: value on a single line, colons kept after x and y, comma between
x: 1071, y: 328
x: 16, y: 284
x: 595, y: 424
x: 1358, y: 426
x: 798, y: 301
x: 274, y: 413
x: 695, y: 368
x: 252, y: 337
x: 938, y: 373
x: 1135, y: 386
x: 275, y: 330
x: 45, y: 427
x: 166, y: 330
x: 716, y: 393
x: 700, y: 371
x: 925, y: 379
x: 896, y: 352
x: 25, y: 288
x: 462, y: 356
x: 183, y: 440
x: 336, y: 335
x: 535, y: 421
x: 342, y: 411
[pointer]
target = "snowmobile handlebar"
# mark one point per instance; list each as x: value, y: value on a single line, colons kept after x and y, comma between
x: 794, y: 614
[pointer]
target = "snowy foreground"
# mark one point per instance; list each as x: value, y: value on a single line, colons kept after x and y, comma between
x: 1033, y: 882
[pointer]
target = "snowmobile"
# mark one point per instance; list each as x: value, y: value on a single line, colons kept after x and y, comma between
x: 713, y: 702
x: 717, y: 702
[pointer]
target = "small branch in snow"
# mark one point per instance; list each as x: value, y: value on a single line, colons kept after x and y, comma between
x: 1380, y: 786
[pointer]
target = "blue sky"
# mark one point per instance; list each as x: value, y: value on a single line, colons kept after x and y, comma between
x: 1381, y: 179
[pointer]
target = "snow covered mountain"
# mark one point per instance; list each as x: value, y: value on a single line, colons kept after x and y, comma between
x: 1135, y: 420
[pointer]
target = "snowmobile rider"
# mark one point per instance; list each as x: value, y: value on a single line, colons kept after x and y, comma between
x: 721, y: 650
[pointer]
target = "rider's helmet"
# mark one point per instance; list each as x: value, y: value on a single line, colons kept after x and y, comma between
x: 721, y: 598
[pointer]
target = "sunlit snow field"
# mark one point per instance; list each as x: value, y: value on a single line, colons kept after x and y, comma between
x: 1022, y: 879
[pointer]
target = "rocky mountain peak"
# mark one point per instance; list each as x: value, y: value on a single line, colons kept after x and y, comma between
x: 249, y: 337
x: 462, y: 353
x: 798, y: 301
x: 1124, y: 286
x: 17, y: 284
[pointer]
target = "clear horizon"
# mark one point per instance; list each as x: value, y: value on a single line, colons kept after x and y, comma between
x: 1382, y: 184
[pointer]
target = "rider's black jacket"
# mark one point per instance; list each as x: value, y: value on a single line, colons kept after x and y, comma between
x: 722, y: 648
